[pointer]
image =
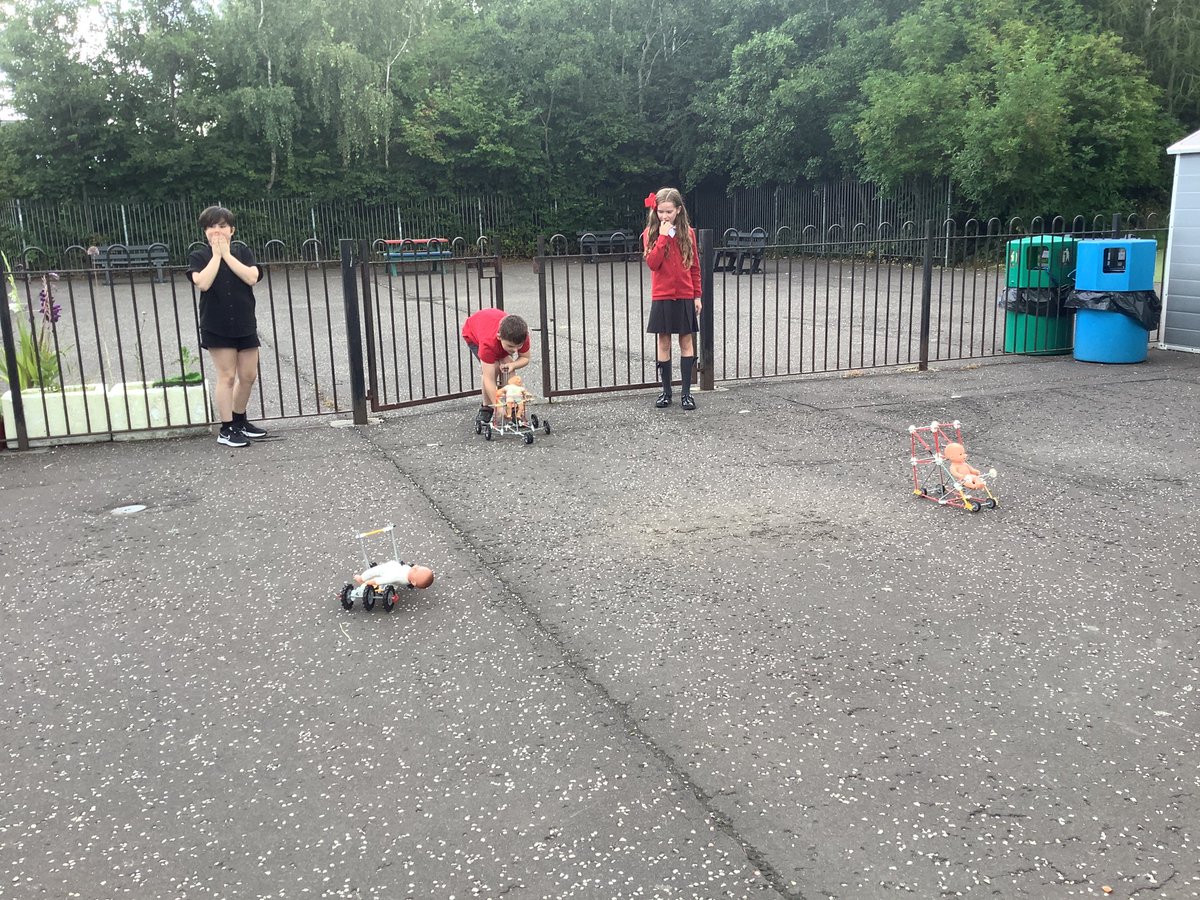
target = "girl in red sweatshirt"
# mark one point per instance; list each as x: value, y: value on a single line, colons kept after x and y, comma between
x: 669, y: 243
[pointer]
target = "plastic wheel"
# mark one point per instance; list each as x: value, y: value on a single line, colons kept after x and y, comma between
x: 545, y: 426
x: 529, y: 438
x: 368, y: 597
x: 990, y: 503
x: 533, y: 420
x: 344, y: 596
x: 972, y: 507
x: 478, y: 427
x: 487, y: 435
x: 389, y: 598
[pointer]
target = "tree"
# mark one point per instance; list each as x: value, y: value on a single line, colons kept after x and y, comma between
x: 67, y: 138
x: 780, y: 113
x: 1025, y: 112
x: 1165, y: 34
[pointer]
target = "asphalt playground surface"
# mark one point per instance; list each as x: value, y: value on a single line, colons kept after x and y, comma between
x: 719, y: 654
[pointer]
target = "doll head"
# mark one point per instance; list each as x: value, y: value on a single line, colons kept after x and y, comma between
x: 955, y: 452
x: 516, y: 380
x: 420, y: 576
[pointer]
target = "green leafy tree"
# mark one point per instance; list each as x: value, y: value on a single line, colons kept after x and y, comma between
x: 1165, y: 34
x: 159, y: 78
x: 1026, y: 113
x: 781, y: 113
x: 66, y: 139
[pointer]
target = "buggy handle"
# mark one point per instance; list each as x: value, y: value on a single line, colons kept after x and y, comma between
x: 383, y: 530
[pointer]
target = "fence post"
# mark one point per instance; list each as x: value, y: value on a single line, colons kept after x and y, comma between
x: 926, y: 294
x: 707, y: 370
x: 539, y: 266
x: 1116, y: 225
x: 10, y: 361
x: 358, y: 391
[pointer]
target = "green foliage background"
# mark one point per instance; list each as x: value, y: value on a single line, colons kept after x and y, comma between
x: 1028, y: 108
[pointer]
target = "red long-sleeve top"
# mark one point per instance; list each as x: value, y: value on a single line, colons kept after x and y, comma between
x: 669, y: 280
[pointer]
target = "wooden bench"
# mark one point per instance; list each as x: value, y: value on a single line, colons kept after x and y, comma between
x: 594, y: 243
x: 132, y: 256
x: 741, y: 251
x: 430, y: 250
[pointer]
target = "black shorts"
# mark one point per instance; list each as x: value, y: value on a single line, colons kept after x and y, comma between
x: 673, y: 317
x: 210, y: 341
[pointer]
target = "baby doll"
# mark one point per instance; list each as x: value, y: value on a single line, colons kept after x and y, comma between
x: 510, y: 399
x: 961, y: 470
x: 397, y: 573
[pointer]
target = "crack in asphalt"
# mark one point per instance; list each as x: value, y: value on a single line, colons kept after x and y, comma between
x: 578, y: 665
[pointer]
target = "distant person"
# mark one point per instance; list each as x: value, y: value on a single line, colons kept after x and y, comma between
x: 93, y: 255
x: 226, y: 276
x: 669, y: 244
x: 501, y: 344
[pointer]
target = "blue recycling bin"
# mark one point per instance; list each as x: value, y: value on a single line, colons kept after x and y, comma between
x: 1108, y: 336
x: 1115, y: 264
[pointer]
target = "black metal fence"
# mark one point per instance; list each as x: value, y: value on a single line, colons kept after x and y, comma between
x: 825, y: 301
x: 305, y: 223
x: 832, y: 300
x: 124, y: 356
x: 413, y: 322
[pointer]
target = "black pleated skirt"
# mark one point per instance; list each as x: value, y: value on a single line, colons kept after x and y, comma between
x: 673, y: 317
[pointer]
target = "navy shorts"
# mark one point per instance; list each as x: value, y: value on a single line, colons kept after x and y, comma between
x: 210, y: 341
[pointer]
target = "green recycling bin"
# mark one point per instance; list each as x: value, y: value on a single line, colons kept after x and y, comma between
x: 1041, y: 261
x: 1036, y: 335
x: 1039, y: 275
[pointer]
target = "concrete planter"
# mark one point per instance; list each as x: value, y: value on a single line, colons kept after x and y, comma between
x: 77, y: 412
x: 141, y: 405
x: 81, y: 413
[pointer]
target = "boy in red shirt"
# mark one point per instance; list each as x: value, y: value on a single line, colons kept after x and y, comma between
x: 501, y: 344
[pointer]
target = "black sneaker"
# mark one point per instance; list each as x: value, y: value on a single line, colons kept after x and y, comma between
x: 664, y: 400
x: 687, y: 402
x: 232, y: 437
x: 250, y: 430
x: 484, y: 415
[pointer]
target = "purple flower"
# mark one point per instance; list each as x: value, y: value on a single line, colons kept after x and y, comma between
x: 50, y: 310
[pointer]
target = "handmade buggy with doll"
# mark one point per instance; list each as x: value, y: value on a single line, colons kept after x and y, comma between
x: 510, y: 415
x: 941, y: 472
x: 383, y: 580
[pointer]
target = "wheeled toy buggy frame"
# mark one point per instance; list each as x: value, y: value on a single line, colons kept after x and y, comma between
x: 383, y: 580
x: 526, y: 427
x: 932, y: 477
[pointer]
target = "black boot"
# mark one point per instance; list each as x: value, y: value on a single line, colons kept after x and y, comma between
x: 685, y: 366
x: 664, y: 371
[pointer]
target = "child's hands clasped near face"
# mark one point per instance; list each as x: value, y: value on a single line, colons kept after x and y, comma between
x: 219, y: 237
x: 667, y: 213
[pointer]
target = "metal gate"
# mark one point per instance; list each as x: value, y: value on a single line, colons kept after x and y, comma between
x: 415, y: 300
x: 594, y: 305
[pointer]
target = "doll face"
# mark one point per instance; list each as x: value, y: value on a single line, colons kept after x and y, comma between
x: 667, y: 213
x: 955, y: 453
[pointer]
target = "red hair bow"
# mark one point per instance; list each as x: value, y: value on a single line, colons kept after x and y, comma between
x: 651, y: 200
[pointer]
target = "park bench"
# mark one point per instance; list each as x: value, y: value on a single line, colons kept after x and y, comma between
x: 741, y: 251
x: 593, y: 243
x: 132, y: 256
x: 430, y: 250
